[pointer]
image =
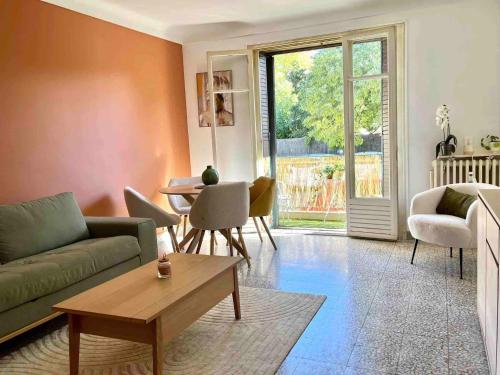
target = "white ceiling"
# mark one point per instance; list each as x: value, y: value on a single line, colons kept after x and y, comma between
x: 188, y: 21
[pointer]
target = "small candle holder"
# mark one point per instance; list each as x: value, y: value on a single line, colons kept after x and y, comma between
x: 164, y: 267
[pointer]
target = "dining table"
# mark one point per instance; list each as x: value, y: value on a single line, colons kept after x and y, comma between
x: 190, y: 193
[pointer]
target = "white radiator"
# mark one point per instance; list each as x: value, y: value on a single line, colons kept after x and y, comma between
x: 456, y: 169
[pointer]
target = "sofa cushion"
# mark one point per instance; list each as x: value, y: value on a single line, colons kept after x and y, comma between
x: 33, y: 227
x: 26, y: 279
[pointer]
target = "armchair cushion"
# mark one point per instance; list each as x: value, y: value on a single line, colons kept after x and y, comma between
x: 443, y: 230
x: 455, y: 203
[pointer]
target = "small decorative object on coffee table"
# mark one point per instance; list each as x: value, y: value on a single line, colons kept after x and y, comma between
x: 164, y: 267
x: 449, y: 143
x: 210, y: 176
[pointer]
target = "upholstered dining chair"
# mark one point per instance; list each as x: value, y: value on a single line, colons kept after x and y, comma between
x: 427, y: 225
x: 139, y: 206
x: 220, y: 208
x: 261, y: 203
x: 181, y: 206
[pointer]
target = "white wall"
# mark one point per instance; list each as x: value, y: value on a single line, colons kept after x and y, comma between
x: 452, y: 58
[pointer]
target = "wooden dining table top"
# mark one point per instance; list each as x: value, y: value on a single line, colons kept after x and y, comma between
x: 181, y: 190
x: 190, y: 189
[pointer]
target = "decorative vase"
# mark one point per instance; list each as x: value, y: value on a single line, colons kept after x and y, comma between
x: 210, y: 176
x: 468, y: 147
x: 447, y: 149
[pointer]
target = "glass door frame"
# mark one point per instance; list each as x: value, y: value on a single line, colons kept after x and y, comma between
x: 396, y: 97
x: 269, y: 56
x: 386, y: 204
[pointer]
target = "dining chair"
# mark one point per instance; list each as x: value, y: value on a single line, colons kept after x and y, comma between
x: 181, y: 206
x: 221, y: 208
x: 261, y: 203
x: 139, y: 206
x: 444, y: 230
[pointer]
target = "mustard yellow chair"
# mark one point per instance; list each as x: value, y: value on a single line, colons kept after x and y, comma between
x: 261, y: 203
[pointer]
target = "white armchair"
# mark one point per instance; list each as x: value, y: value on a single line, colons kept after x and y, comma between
x: 444, y: 230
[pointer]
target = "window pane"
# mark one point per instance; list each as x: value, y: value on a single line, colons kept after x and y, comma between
x: 371, y: 138
x: 369, y: 58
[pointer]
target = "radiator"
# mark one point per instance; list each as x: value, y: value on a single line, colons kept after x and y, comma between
x: 456, y: 169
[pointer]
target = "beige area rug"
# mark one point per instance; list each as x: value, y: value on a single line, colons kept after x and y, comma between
x: 272, y: 321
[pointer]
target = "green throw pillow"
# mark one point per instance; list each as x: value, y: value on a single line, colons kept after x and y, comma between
x: 455, y: 203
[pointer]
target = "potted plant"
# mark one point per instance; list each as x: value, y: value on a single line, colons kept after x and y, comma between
x: 491, y: 143
x: 449, y: 143
x: 328, y: 172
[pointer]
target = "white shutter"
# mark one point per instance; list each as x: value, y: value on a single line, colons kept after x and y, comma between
x: 264, y: 107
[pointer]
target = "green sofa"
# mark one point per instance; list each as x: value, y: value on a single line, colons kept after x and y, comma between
x: 49, y: 252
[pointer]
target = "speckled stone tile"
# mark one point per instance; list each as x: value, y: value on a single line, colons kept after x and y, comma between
x: 363, y: 371
x: 463, y: 324
x: 399, y: 269
x: 334, y: 350
x: 430, y: 276
x: 423, y: 355
x: 467, y: 357
x: 370, y: 336
x: 424, y: 323
x: 305, y: 366
x: 386, y: 319
x: 377, y: 358
x: 376, y: 350
x: 335, y: 325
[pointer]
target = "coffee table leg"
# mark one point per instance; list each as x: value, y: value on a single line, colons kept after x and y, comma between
x: 157, y: 348
x: 236, y: 295
x: 74, y: 343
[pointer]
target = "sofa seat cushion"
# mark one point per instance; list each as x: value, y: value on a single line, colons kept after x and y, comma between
x: 443, y: 230
x: 29, y: 278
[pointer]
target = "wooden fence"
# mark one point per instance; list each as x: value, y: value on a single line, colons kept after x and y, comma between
x: 302, y: 185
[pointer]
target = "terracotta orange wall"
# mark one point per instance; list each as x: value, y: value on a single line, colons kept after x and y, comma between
x: 87, y: 106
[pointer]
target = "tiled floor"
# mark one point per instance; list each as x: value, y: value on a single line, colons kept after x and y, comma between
x: 382, y: 315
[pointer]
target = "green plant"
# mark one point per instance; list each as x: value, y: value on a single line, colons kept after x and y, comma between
x: 328, y: 172
x: 486, y: 141
x: 309, y: 94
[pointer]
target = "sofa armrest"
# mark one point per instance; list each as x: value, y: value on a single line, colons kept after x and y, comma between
x: 143, y: 229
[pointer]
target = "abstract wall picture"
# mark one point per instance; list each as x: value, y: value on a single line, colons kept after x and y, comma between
x: 223, y: 102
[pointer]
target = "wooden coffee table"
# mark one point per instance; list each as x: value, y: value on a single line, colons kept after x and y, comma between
x: 137, y: 306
